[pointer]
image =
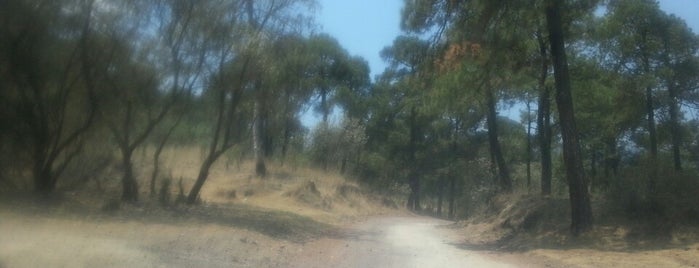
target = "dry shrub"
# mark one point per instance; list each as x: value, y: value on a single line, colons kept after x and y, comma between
x: 348, y: 191
x: 307, y: 193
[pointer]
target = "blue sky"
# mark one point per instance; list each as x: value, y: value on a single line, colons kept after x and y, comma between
x: 364, y: 27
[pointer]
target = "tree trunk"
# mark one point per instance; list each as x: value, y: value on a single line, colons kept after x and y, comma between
x: 201, y: 178
x: 652, y: 135
x: 156, y: 169
x: 324, y: 106
x: 544, y: 119
x: 129, y: 184
x: 44, y: 183
x: 581, y: 213
x: 440, y: 196
x: 676, y: 134
x: 593, y: 161
x: 413, y: 177
x: 611, y: 159
x: 529, y: 146
x: 258, y: 138
x: 159, y: 150
x: 504, y: 179
x: 287, y: 139
x: 452, y: 196
x: 343, y: 164
x: 414, y: 203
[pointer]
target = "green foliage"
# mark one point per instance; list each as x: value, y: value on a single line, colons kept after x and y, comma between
x: 673, y: 201
x: 337, y: 146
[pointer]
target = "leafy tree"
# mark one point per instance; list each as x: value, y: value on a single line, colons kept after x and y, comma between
x: 649, y: 47
x: 49, y: 72
x: 406, y: 85
x: 581, y: 212
x: 494, y: 29
x: 134, y: 102
x: 680, y: 75
x: 239, y: 70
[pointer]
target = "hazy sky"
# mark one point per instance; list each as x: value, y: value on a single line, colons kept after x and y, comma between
x: 364, y: 27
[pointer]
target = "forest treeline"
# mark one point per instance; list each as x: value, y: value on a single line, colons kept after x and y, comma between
x: 607, y: 91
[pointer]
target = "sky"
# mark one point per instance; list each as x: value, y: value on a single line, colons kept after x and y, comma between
x: 365, y: 27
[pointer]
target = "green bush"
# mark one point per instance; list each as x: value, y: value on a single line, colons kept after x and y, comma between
x: 674, y: 198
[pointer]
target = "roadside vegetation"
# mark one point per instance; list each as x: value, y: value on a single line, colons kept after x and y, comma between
x: 190, y: 111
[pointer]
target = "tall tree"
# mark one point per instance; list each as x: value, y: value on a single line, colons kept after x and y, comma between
x: 50, y: 68
x: 581, y: 212
x: 135, y: 102
x: 239, y: 70
x: 543, y: 123
x: 638, y: 22
x: 406, y: 57
x: 488, y: 45
x: 679, y: 74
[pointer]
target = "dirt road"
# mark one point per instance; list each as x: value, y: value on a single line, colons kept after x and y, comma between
x: 58, y: 240
x: 393, y: 242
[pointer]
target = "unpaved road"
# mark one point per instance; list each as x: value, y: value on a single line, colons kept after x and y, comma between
x: 393, y: 242
x: 66, y: 241
x: 46, y: 241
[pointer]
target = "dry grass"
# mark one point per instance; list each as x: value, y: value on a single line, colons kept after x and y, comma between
x: 242, y: 220
x: 324, y: 196
x: 520, y: 222
x: 535, y: 230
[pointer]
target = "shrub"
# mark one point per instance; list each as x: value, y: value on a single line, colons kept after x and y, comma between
x: 674, y: 199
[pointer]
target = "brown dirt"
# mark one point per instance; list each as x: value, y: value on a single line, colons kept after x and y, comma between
x: 64, y: 241
x: 393, y: 241
x: 207, y: 237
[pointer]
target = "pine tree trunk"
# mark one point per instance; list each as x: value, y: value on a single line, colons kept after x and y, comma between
x: 544, y: 119
x: 593, y: 162
x: 611, y: 160
x: 324, y: 106
x: 452, y: 197
x: 529, y: 147
x: 440, y: 196
x: 652, y: 135
x: 676, y: 134
x: 581, y: 212
x: 413, y: 177
x: 504, y: 179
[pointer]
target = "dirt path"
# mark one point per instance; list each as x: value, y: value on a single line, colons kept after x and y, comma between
x: 393, y: 242
x: 58, y: 240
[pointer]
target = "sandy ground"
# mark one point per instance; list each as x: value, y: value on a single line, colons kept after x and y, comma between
x: 70, y: 240
x: 394, y: 242
x: 40, y: 241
